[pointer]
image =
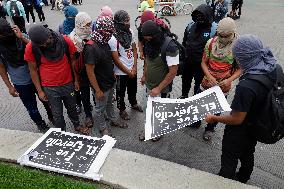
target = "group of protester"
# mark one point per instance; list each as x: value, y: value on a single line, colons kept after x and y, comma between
x: 102, y: 55
x: 20, y: 10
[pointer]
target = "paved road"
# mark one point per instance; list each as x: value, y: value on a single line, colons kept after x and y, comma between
x: 186, y: 147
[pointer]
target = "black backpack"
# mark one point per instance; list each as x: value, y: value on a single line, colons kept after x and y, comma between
x: 181, y: 48
x: 268, y: 127
x: 14, y: 10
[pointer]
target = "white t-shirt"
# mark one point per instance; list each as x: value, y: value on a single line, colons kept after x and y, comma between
x: 126, y: 55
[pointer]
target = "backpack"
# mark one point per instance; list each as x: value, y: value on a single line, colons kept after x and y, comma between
x: 37, y: 53
x: 181, y: 48
x: 14, y: 10
x: 268, y: 128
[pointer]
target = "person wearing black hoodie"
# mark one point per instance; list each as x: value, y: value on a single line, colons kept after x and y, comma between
x: 12, y: 63
x: 196, y: 34
x: 29, y: 9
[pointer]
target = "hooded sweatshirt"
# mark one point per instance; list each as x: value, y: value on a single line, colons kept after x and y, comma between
x: 196, y: 35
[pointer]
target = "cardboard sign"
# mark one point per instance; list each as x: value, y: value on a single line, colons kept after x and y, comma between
x: 69, y: 153
x: 164, y: 115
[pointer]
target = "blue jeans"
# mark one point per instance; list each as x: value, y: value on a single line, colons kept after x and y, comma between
x: 102, y: 106
x: 27, y: 95
x: 65, y: 94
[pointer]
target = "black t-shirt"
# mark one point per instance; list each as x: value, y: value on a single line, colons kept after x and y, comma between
x: 250, y: 98
x: 100, y: 56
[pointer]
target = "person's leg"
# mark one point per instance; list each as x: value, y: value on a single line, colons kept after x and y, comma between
x: 198, y: 76
x: 100, y: 108
x: 247, y: 162
x: 78, y: 102
x: 31, y: 10
x: 55, y: 101
x: 42, y: 14
x: 28, y: 98
x: 38, y: 14
x: 240, y: 7
x: 109, y: 104
x: 186, y: 82
x: 85, y: 97
x: 27, y: 13
x: 69, y: 101
x: 20, y: 22
x: 45, y: 104
x: 229, y: 157
x: 132, y: 90
x: 121, y: 83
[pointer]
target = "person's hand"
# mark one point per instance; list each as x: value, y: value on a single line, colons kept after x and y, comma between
x: 210, y: 118
x: 212, y: 81
x: 13, y: 92
x: 134, y: 70
x: 142, y: 57
x: 17, y: 31
x: 131, y: 74
x: 42, y: 96
x: 100, y: 95
x: 142, y: 80
x: 77, y: 86
x: 225, y: 83
x: 155, y: 92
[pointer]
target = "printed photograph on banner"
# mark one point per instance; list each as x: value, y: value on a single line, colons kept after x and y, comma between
x: 68, y: 153
x: 166, y: 115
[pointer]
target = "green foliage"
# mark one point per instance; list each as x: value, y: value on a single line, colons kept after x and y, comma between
x: 17, y: 177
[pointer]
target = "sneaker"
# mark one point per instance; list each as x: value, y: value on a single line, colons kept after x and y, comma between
x: 195, y: 125
x: 42, y: 127
x: 137, y: 107
x: 89, y: 122
x: 124, y: 115
x: 183, y: 97
x: 207, y: 135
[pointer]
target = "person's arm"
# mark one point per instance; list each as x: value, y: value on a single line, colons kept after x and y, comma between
x: 22, y: 9
x: 5, y: 78
x: 143, y: 78
x: 75, y: 74
x: 19, y: 34
x: 135, y: 57
x: 141, y: 46
x: 227, y: 82
x: 167, y: 80
x: 93, y: 80
x: 36, y: 80
x: 235, y: 118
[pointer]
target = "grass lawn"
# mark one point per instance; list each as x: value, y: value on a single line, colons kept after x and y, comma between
x: 18, y: 177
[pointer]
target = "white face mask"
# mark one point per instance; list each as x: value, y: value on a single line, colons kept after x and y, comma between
x: 84, y: 32
x: 226, y: 40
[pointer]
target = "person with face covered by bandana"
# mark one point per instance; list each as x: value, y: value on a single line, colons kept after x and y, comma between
x: 239, y: 141
x: 99, y: 66
x: 12, y: 47
x: 218, y: 63
x: 80, y: 35
x: 68, y: 24
x: 196, y: 35
x: 158, y: 74
x: 53, y: 73
x: 124, y: 54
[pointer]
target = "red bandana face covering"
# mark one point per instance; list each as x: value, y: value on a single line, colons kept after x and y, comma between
x: 104, y: 30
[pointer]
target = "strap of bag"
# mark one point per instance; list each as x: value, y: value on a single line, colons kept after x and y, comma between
x: 164, y: 48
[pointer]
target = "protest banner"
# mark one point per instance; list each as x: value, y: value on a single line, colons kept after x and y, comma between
x: 164, y: 115
x: 69, y: 153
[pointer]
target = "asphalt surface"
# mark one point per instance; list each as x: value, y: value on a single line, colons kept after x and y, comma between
x: 261, y: 17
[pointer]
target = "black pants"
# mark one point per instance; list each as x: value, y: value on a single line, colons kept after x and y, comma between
x: 40, y: 13
x: 190, y: 72
x: 27, y: 95
x: 237, y: 4
x: 20, y: 22
x: 83, y: 97
x: 29, y: 10
x: 123, y: 83
x: 237, y: 144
